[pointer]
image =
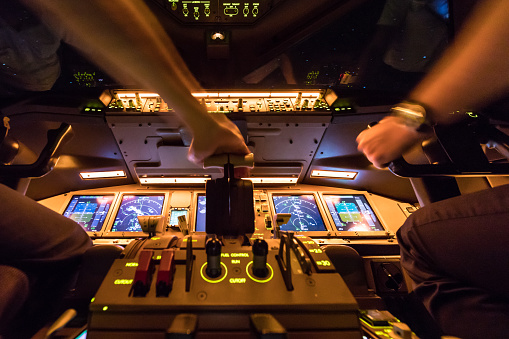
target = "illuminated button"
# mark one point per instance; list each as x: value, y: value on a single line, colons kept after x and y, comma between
x: 216, y: 280
x: 231, y: 11
x: 265, y: 207
x: 268, y: 278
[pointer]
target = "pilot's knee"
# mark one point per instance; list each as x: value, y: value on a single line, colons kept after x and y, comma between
x: 413, y: 247
x: 409, y: 230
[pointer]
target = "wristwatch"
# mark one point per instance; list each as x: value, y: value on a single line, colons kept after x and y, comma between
x: 413, y: 115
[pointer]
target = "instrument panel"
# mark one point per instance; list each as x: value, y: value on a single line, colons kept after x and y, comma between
x: 315, y: 215
x: 217, y: 11
x: 318, y: 212
x: 126, y: 101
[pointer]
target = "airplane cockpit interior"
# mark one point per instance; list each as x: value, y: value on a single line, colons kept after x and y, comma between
x: 296, y: 239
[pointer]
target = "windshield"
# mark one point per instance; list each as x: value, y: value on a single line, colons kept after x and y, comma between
x: 364, y: 45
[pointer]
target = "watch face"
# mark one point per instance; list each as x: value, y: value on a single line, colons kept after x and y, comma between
x: 413, y: 115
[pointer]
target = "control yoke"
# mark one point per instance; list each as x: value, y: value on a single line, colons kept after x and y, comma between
x: 46, y: 160
x: 457, y: 151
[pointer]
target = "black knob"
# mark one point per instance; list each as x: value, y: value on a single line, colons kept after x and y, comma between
x: 213, y: 250
x: 260, y: 251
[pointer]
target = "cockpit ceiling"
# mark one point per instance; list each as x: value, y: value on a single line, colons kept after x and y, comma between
x: 258, y: 46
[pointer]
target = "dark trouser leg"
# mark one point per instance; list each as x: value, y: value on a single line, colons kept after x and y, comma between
x: 457, y: 253
x: 46, y: 246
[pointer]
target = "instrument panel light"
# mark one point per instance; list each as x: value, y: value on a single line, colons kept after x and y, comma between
x: 273, y: 180
x: 333, y: 174
x: 102, y: 175
x: 174, y: 180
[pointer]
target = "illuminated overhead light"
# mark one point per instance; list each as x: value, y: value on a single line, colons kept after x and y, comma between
x: 217, y: 36
x: 173, y: 180
x: 229, y: 94
x: 148, y: 95
x: 333, y: 174
x: 102, y: 175
x: 247, y: 94
x: 314, y: 94
x: 205, y: 95
x: 273, y: 180
x: 284, y: 95
x: 126, y: 95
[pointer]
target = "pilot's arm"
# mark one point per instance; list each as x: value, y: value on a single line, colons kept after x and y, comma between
x: 125, y: 39
x: 473, y: 72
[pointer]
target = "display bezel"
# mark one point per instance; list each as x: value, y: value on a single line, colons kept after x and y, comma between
x: 318, y: 203
x: 94, y: 194
x: 354, y: 234
x: 195, y: 216
x: 109, y: 233
x: 177, y: 209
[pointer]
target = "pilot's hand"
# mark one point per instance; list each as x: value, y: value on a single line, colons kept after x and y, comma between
x: 388, y: 140
x: 216, y: 136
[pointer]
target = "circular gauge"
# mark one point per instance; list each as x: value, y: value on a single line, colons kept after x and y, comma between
x: 305, y: 214
x: 134, y: 206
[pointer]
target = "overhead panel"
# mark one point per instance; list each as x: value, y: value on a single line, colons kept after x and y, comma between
x: 217, y: 11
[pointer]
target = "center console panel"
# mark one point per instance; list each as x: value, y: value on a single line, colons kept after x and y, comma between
x: 298, y: 294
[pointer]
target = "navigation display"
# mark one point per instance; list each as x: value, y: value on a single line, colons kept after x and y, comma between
x: 89, y: 210
x: 305, y: 214
x: 352, y: 213
x: 175, y: 213
x: 134, y: 205
x: 201, y: 210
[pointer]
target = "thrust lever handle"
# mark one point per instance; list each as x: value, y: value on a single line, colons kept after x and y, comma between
x: 236, y: 160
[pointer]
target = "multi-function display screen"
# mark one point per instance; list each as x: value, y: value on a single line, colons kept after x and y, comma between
x: 201, y: 213
x: 133, y: 206
x: 352, y: 213
x: 175, y: 213
x: 305, y: 214
x: 89, y: 210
